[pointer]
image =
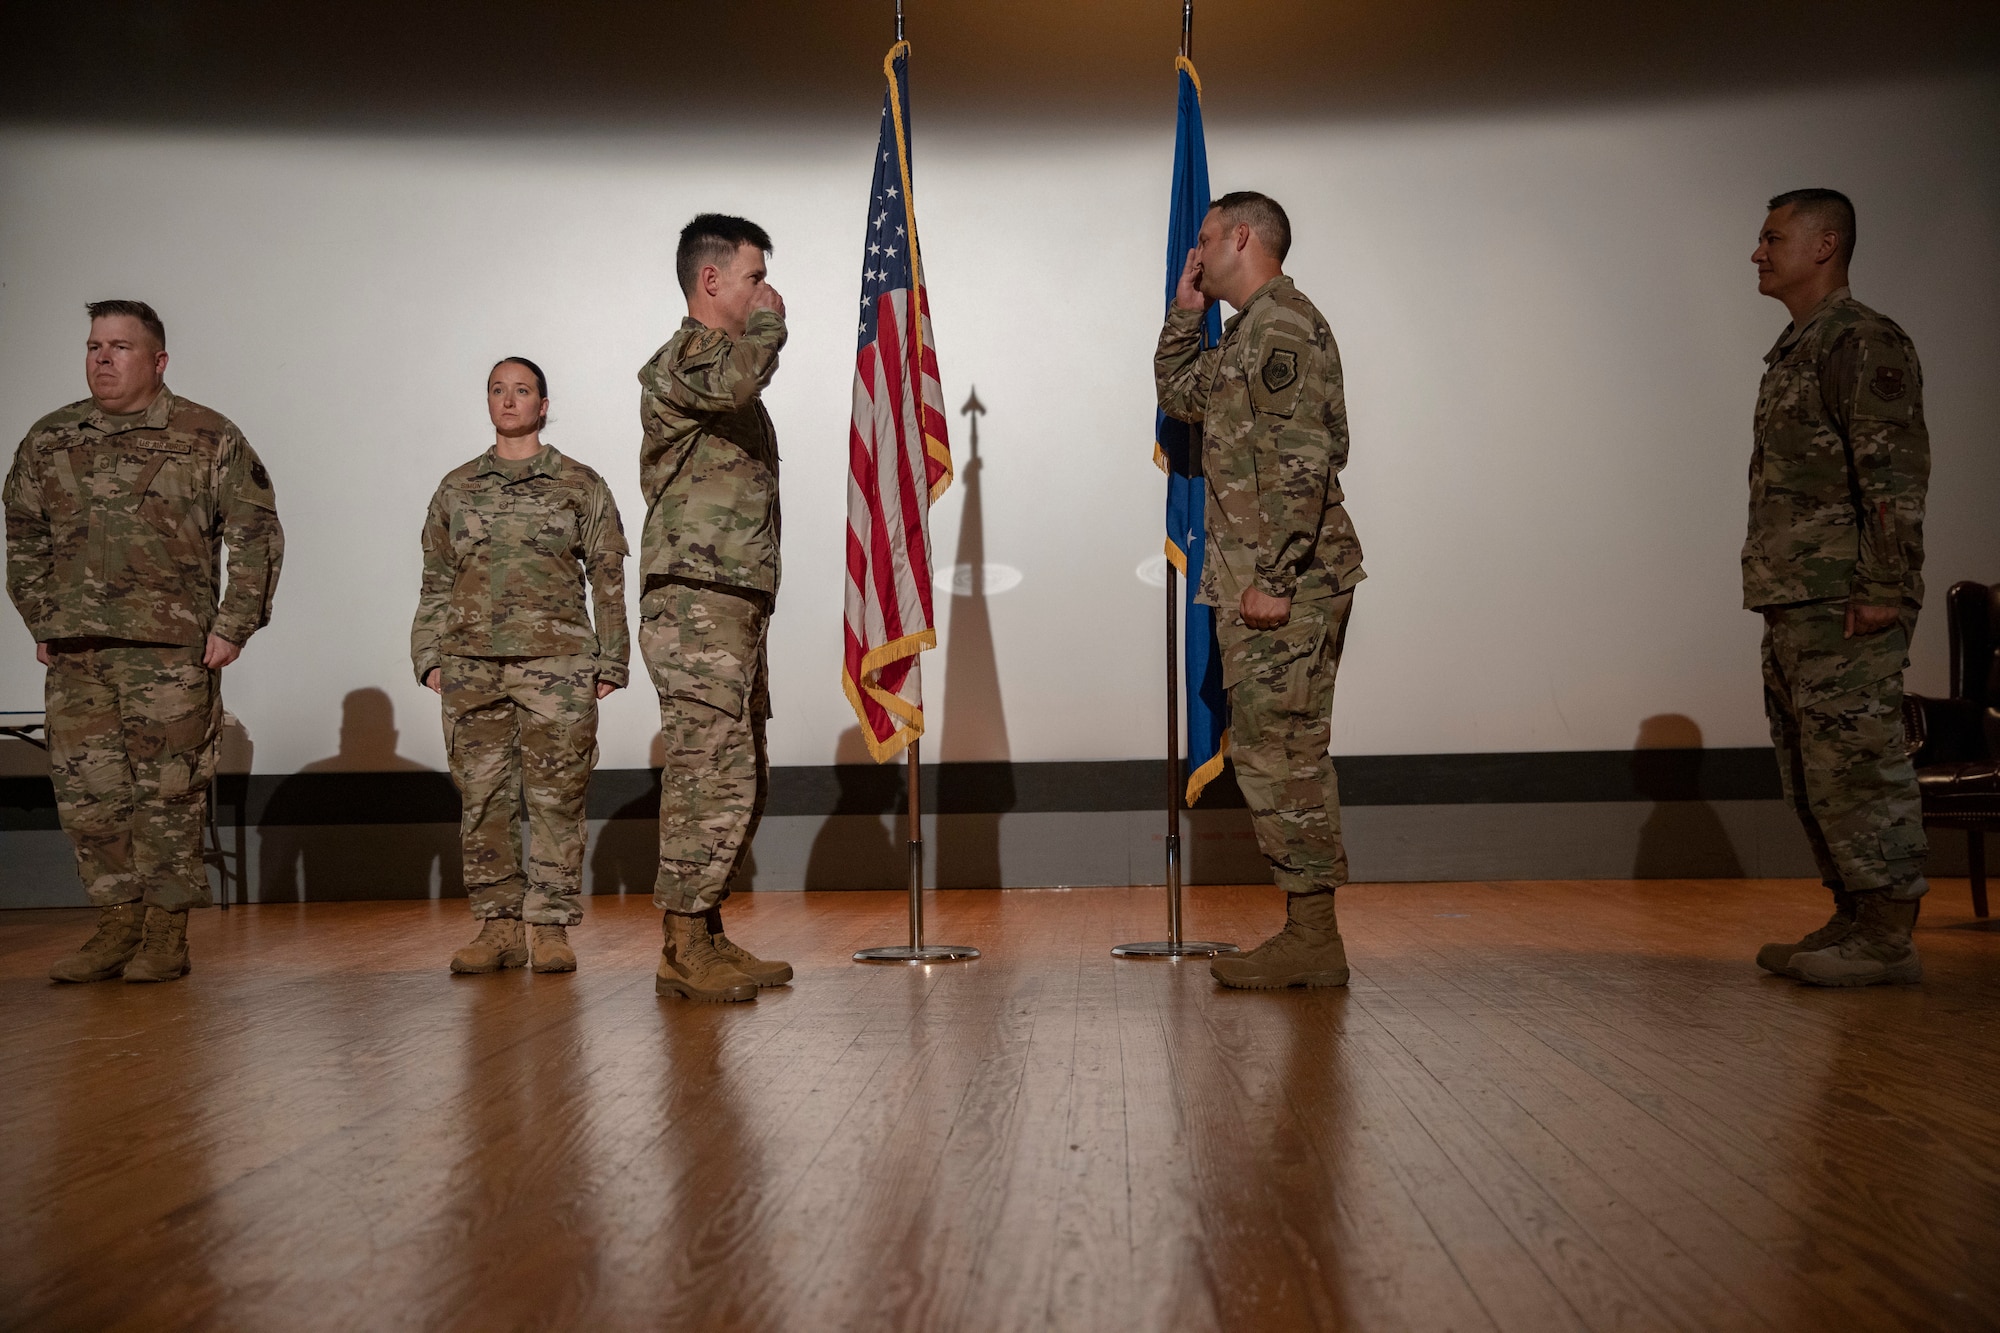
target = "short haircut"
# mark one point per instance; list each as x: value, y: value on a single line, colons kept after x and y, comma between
x: 138, y: 310
x: 1830, y: 210
x: 713, y: 238
x: 1263, y: 214
x: 541, y: 380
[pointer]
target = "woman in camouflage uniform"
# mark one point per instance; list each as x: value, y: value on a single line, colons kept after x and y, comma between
x: 503, y: 634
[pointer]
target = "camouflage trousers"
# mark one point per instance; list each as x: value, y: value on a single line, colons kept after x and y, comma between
x: 1836, y: 712
x: 131, y: 730
x: 1280, y: 684
x: 704, y: 648
x: 522, y: 734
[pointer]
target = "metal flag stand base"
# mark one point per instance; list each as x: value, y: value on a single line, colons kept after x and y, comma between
x: 916, y: 951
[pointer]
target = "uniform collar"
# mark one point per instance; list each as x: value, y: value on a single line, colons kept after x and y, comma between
x: 1793, y: 332
x: 1280, y: 283
x: 542, y: 464
x: 155, y: 417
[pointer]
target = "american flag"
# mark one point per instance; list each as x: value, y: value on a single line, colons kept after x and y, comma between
x: 899, y: 459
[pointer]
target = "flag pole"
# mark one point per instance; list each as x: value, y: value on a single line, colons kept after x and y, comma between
x: 916, y: 803
x: 1174, y: 946
x: 916, y: 951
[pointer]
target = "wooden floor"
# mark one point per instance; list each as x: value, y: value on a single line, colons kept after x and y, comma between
x: 1538, y: 1106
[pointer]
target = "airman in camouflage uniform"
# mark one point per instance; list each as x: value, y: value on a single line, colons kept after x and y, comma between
x: 1281, y: 559
x: 508, y: 545
x: 118, y: 510
x: 1833, y: 561
x: 709, y: 560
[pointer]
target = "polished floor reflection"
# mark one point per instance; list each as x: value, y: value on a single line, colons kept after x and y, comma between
x: 1538, y: 1106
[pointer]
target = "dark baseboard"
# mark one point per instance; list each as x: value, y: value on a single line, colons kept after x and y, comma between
x: 1538, y: 777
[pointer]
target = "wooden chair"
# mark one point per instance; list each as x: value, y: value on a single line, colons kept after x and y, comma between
x: 1957, y: 740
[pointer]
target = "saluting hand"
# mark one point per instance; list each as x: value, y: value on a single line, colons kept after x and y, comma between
x: 766, y: 298
x: 1187, y: 293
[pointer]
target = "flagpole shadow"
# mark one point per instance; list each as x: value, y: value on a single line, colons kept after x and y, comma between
x: 854, y: 848
x: 975, y: 777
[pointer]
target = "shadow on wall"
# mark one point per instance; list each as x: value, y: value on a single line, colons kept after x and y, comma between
x: 21, y: 759
x: 225, y: 848
x: 627, y: 852
x: 1683, y: 837
x: 854, y: 848
x: 305, y: 855
x: 974, y: 723
x: 626, y: 856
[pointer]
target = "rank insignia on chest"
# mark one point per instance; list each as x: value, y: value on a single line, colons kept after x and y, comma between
x: 1888, y: 383
x: 1281, y: 367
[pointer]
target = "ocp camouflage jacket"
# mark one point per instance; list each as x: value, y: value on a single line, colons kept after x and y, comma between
x: 709, y: 462
x: 507, y: 547
x: 1274, y: 439
x: 1841, y: 464
x: 116, y: 526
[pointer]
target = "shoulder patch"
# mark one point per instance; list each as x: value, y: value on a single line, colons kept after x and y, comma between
x: 700, y: 347
x: 1888, y: 383
x: 1281, y: 367
x: 260, y: 476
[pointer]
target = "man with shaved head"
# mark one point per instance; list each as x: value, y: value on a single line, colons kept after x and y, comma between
x: 1834, y: 563
x: 1281, y: 558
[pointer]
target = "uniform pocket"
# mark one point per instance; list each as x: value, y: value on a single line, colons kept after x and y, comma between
x: 1279, y: 374
x: 169, y: 491
x: 187, y: 746
x: 721, y: 694
x: 470, y: 529
x: 1826, y: 665
x: 702, y: 645
x: 691, y: 847
x: 1281, y: 658
x: 1904, y: 844
x: 557, y: 529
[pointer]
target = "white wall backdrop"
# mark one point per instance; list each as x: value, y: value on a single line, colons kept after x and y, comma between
x: 1549, y: 322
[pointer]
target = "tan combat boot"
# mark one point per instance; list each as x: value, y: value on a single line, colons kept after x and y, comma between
x: 163, y: 950
x: 552, y: 951
x: 1777, y: 957
x: 690, y: 966
x: 1877, y: 951
x: 105, y: 954
x: 762, y: 971
x: 1307, y: 952
x: 501, y: 942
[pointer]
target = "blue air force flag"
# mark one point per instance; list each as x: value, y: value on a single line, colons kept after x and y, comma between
x: 1178, y: 452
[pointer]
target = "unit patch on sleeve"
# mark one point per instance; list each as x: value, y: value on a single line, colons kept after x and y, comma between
x: 1281, y: 367
x: 1888, y: 383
